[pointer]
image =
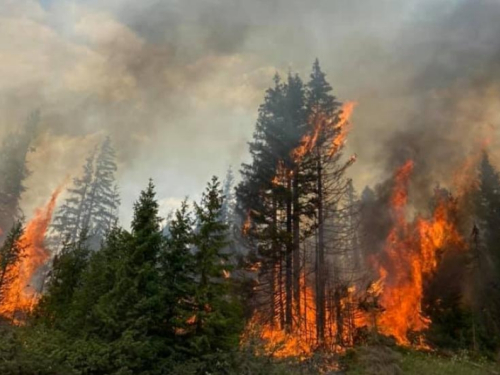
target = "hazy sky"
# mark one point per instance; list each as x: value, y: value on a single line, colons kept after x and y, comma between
x: 177, y: 84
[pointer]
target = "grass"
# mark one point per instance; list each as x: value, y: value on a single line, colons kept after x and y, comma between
x: 382, y: 360
x: 414, y: 363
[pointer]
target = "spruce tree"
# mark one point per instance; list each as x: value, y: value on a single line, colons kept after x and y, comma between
x: 178, y: 273
x: 68, y: 221
x: 93, y: 202
x: 318, y: 93
x: 13, y: 153
x: 65, y: 279
x: 486, y: 253
x: 10, y: 253
x: 216, y: 313
x: 103, y: 199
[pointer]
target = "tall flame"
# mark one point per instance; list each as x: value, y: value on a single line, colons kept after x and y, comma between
x: 343, y: 126
x: 410, y: 256
x: 21, y: 294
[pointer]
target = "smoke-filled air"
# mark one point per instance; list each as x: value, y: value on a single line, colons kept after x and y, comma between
x: 249, y: 187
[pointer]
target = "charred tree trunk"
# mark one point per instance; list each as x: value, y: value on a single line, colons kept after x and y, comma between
x: 320, y: 261
x: 288, y: 259
x: 276, y: 257
x: 280, y: 290
x: 339, y: 315
x: 296, y: 245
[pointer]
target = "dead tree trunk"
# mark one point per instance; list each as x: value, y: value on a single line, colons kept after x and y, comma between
x: 296, y: 245
x: 288, y: 258
x: 320, y: 261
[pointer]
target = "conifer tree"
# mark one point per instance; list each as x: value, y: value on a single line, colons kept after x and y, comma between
x: 65, y: 279
x: 216, y: 312
x: 103, y: 200
x: 68, y: 221
x: 13, y: 153
x: 10, y: 253
x: 178, y: 272
x: 93, y: 201
x: 486, y: 250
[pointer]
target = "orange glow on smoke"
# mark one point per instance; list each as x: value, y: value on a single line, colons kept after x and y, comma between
x: 21, y: 295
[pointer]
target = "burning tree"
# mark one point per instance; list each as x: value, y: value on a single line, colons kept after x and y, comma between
x: 31, y: 254
x: 290, y: 193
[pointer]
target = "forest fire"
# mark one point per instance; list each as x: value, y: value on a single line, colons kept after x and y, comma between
x: 407, y: 262
x: 323, y: 123
x: 21, y: 295
x: 409, y: 257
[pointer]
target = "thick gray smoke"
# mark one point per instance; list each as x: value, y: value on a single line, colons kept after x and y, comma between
x: 177, y: 83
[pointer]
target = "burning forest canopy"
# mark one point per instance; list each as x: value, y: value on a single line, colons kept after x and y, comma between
x: 362, y: 211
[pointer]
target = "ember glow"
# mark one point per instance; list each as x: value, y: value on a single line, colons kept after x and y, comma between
x: 22, y: 295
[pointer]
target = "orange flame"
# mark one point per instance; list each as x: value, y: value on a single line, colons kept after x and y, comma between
x: 321, y: 122
x: 246, y: 225
x: 409, y: 257
x: 22, y: 295
x: 343, y: 127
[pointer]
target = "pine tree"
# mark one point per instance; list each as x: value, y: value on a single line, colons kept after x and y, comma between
x: 64, y: 280
x: 134, y: 297
x: 10, y: 253
x: 216, y: 313
x: 294, y: 185
x: 178, y: 272
x: 318, y: 94
x: 103, y: 200
x: 13, y: 153
x: 486, y: 250
x: 68, y: 221
x: 93, y: 202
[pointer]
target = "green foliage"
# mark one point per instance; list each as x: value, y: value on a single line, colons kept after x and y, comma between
x: 217, y: 314
x: 142, y: 304
x: 65, y: 278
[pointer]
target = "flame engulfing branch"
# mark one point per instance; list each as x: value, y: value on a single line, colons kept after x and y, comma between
x: 22, y: 294
x: 343, y: 127
x: 338, y: 125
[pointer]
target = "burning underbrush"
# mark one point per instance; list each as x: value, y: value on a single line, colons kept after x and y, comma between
x: 337, y: 295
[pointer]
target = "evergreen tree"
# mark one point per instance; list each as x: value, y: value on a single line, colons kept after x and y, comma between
x: 103, y: 201
x: 64, y: 280
x: 318, y: 94
x: 486, y: 254
x: 10, y: 253
x: 13, y: 153
x: 93, y: 202
x: 178, y: 274
x: 68, y: 221
x: 216, y: 314
x: 487, y: 202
